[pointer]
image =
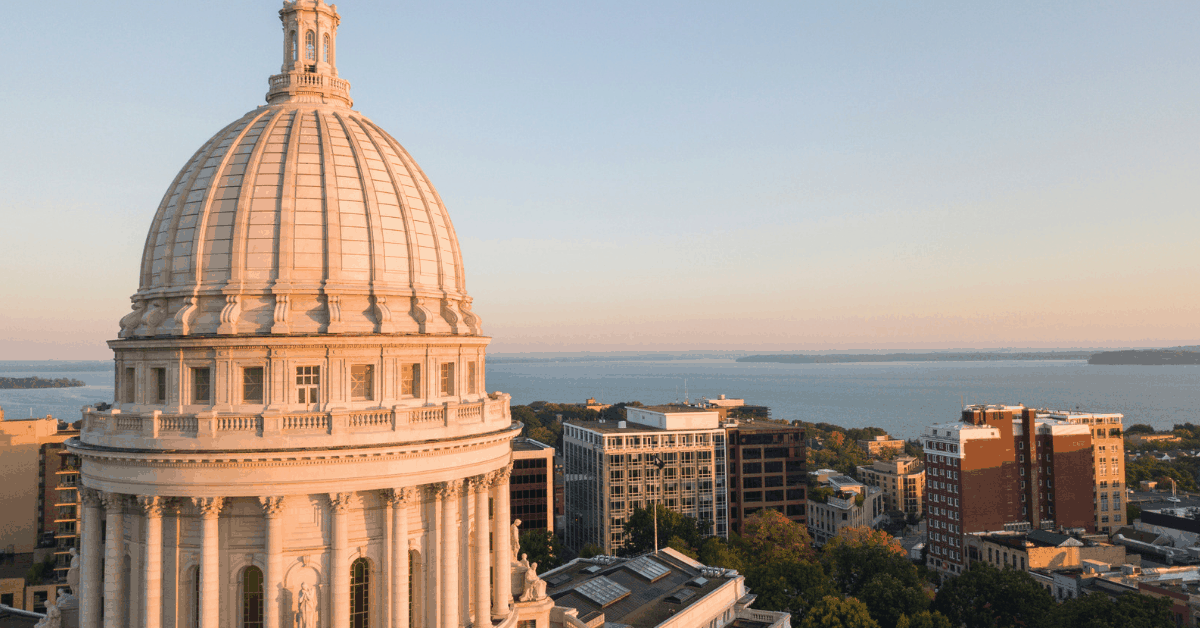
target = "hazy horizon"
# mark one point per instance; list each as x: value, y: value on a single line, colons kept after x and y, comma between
x: 667, y: 177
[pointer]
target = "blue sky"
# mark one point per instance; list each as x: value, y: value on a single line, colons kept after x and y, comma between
x: 668, y: 175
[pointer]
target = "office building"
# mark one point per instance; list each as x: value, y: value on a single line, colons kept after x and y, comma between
x: 903, y: 482
x: 531, y: 486
x: 880, y: 444
x: 766, y: 470
x: 610, y: 470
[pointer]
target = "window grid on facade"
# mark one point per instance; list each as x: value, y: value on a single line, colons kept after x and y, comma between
x: 201, y: 385
x: 471, y: 378
x: 308, y: 383
x: 360, y: 573
x: 362, y: 382
x: 252, y: 385
x: 252, y: 598
x: 310, y: 46
x: 160, y: 385
x: 129, y: 386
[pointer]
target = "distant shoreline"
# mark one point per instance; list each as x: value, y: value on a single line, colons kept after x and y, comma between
x: 31, y: 383
x: 847, y: 358
x: 1179, y: 356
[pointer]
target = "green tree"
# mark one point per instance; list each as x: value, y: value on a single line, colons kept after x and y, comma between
x: 1139, y: 428
x: 772, y: 537
x: 1133, y: 512
x: 924, y: 619
x: 543, y: 548
x: 718, y: 552
x: 589, y: 550
x: 985, y: 597
x: 890, y: 599
x: 639, y: 530
x: 836, y: 612
x: 1097, y: 610
x: 855, y: 557
x: 784, y: 585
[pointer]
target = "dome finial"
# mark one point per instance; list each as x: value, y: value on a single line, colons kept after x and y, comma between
x: 309, y: 70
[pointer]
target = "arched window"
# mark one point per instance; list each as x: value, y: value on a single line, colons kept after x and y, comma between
x: 360, y: 575
x: 295, y: 47
x: 310, y: 46
x: 325, y: 51
x: 252, y: 598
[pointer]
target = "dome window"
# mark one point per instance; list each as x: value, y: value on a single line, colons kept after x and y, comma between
x: 310, y: 46
x: 325, y: 50
x: 295, y: 47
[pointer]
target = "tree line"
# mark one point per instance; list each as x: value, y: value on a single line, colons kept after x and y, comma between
x: 23, y: 383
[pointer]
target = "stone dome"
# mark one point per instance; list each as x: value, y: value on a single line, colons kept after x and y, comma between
x: 301, y: 217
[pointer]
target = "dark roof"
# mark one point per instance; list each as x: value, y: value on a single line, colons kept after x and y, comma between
x: 528, y: 444
x: 16, y: 618
x: 675, y: 585
x: 1053, y: 539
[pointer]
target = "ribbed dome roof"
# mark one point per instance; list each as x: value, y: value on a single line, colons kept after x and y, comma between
x: 302, y: 216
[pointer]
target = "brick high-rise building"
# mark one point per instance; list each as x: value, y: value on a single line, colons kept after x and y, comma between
x: 766, y: 470
x: 1004, y: 468
x: 1108, y: 464
x: 531, y: 486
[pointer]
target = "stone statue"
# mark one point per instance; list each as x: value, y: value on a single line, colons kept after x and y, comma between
x: 516, y: 537
x: 53, y: 619
x: 535, y: 587
x: 73, y: 573
x: 306, y: 615
x: 524, y: 561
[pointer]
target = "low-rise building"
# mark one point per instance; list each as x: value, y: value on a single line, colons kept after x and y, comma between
x: 24, y: 464
x: 839, y: 501
x: 1039, y: 549
x: 876, y: 446
x: 903, y: 482
x: 656, y: 590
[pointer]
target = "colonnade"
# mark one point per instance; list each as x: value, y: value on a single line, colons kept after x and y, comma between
x: 101, y: 564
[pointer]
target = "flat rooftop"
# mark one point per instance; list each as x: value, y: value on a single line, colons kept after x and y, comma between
x: 612, y: 427
x: 528, y: 444
x: 673, y: 409
x: 641, y: 592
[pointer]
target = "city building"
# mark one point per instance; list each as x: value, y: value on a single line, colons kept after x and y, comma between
x: 880, y: 444
x: 1178, y: 585
x: 301, y: 433
x: 903, y: 482
x: 25, y: 494
x: 611, y: 468
x: 1039, y: 549
x: 766, y: 470
x: 663, y: 590
x: 531, y: 494
x: 1108, y: 464
x: 840, y: 501
x: 1003, y: 468
x: 66, y: 511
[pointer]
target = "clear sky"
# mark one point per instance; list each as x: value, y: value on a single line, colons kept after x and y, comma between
x: 665, y: 175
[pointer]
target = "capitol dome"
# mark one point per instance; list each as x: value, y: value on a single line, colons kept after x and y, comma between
x: 302, y: 216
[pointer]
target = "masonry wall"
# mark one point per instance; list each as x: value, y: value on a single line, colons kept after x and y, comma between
x: 1073, y: 484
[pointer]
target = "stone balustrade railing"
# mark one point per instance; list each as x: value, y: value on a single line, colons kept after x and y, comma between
x: 306, y: 82
x: 209, y: 430
x: 772, y: 619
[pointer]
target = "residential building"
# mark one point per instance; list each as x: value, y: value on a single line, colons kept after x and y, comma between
x: 23, y: 493
x: 531, y: 486
x: 662, y: 590
x: 1039, y: 549
x: 878, y: 445
x: 766, y: 470
x: 611, y: 468
x: 903, y: 482
x: 66, y: 511
x: 1108, y: 464
x: 840, y: 501
x: 1003, y: 468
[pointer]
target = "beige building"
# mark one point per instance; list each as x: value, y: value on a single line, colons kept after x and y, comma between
x: 21, y: 454
x: 840, y: 501
x: 663, y: 590
x: 610, y: 471
x: 1039, y: 549
x: 1108, y: 464
x: 876, y: 446
x: 903, y: 482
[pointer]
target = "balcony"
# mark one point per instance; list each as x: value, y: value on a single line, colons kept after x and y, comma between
x: 289, y: 430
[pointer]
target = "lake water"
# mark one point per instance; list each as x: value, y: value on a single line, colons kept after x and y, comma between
x: 901, y: 397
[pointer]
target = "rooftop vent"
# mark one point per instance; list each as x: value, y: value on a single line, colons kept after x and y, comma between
x: 591, y: 569
x: 697, y: 582
x: 681, y: 596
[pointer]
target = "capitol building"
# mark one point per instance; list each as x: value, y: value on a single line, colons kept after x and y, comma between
x: 301, y: 435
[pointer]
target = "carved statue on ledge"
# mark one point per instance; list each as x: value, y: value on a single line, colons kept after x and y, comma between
x: 73, y: 573
x: 306, y: 615
x: 516, y: 537
x: 535, y: 587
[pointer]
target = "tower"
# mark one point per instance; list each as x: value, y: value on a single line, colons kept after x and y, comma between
x: 301, y: 435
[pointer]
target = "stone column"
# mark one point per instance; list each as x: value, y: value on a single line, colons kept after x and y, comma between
x: 400, y: 499
x: 272, y: 509
x: 502, y: 549
x: 152, y: 509
x: 339, y: 594
x: 448, y: 539
x: 210, y: 558
x: 114, y: 558
x: 91, y: 578
x: 480, y: 486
